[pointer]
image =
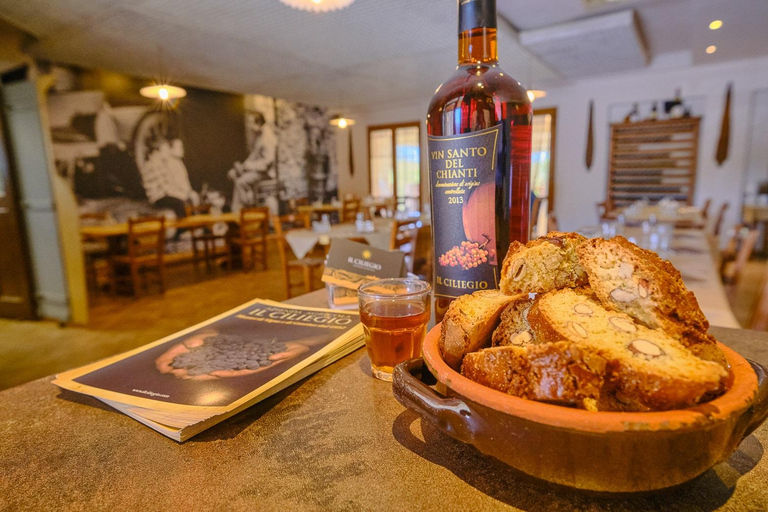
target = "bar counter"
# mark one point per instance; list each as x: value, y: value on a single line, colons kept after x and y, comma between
x: 336, y: 441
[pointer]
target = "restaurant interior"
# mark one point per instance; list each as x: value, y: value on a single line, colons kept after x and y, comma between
x: 164, y: 161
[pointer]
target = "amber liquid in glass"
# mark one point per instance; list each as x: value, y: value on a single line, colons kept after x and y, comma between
x: 477, y: 96
x: 394, y: 332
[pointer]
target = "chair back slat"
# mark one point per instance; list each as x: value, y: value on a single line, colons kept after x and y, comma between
x: 403, y: 238
x: 719, y: 221
x: 349, y: 209
x: 197, y: 209
x: 254, y: 222
x: 146, y: 237
x: 737, y: 253
x: 705, y: 208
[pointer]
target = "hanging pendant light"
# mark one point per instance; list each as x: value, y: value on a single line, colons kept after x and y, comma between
x: 318, y: 5
x: 534, y: 94
x: 163, y: 92
x: 341, y: 121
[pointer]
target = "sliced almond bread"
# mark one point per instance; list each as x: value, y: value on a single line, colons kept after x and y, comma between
x: 513, y: 328
x: 544, y: 264
x: 560, y: 372
x: 469, y: 323
x: 651, y: 370
x: 639, y: 283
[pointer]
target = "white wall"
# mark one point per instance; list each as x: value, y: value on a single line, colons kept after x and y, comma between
x: 576, y: 190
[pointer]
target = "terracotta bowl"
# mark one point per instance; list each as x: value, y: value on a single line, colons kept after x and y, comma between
x: 596, y: 451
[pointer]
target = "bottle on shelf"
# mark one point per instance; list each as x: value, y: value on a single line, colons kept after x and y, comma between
x: 633, y: 114
x: 479, y: 149
x: 654, y: 112
x: 676, y: 108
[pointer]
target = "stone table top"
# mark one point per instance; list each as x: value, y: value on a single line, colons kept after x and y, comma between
x: 337, y: 440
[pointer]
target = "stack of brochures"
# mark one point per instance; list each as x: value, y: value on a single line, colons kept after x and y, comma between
x: 191, y: 380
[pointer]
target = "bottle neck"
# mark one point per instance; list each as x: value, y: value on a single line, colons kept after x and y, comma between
x: 478, y: 46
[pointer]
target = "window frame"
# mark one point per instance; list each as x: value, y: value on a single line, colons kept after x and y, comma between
x: 393, y: 127
x: 552, y: 111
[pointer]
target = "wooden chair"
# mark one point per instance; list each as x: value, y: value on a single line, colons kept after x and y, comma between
x: 146, y: 251
x: 552, y: 224
x: 737, y: 253
x: 93, y: 250
x: 349, y: 209
x: 254, y: 228
x: 719, y: 220
x: 204, y: 235
x: 705, y: 208
x: 288, y: 263
x: 759, y: 316
x: 602, y: 210
x: 403, y: 238
x: 535, y: 209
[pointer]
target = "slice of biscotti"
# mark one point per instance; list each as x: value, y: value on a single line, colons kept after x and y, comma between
x: 562, y: 372
x: 544, y: 264
x: 639, y: 283
x: 513, y: 328
x: 469, y: 323
x: 651, y: 370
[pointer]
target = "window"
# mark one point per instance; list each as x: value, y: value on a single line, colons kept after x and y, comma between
x: 543, y: 166
x: 395, y: 163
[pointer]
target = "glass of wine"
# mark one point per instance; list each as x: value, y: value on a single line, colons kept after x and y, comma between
x: 394, y: 313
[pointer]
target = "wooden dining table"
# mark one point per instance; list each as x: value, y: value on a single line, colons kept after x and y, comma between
x: 683, y: 216
x: 337, y: 440
x: 119, y: 229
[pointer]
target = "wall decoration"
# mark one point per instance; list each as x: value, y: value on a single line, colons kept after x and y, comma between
x: 725, y: 130
x: 127, y: 155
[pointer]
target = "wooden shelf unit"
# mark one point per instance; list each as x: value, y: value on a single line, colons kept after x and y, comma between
x: 653, y: 160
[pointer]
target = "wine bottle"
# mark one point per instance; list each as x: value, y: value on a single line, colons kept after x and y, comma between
x: 479, y: 145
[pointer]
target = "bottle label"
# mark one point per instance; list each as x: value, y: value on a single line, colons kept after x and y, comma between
x: 462, y: 170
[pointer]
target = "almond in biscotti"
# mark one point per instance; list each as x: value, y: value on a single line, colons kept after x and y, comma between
x: 514, y: 328
x: 518, y: 269
x: 645, y: 348
x: 582, y: 309
x: 622, y: 324
x: 577, y: 329
x: 621, y: 295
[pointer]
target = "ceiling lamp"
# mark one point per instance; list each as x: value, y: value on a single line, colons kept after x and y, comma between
x: 711, y: 49
x: 534, y: 94
x: 715, y: 24
x: 341, y: 122
x: 163, y: 92
x: 318, y: 5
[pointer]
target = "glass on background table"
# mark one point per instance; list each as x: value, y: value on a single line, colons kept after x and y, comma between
x: 394, y: 314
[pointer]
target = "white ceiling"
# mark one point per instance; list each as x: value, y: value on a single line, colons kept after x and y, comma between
x: 669, y: 26
x: 371, y: 53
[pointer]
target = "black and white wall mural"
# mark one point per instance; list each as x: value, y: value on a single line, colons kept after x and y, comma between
x: 128, y: 155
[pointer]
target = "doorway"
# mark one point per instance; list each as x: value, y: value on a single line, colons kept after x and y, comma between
x: 15, y: 280
x: 394, y: 164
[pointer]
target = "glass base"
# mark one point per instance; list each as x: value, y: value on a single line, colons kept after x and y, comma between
x: 382, y: 374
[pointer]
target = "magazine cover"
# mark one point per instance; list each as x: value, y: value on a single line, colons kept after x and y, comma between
x: 220, y: 364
